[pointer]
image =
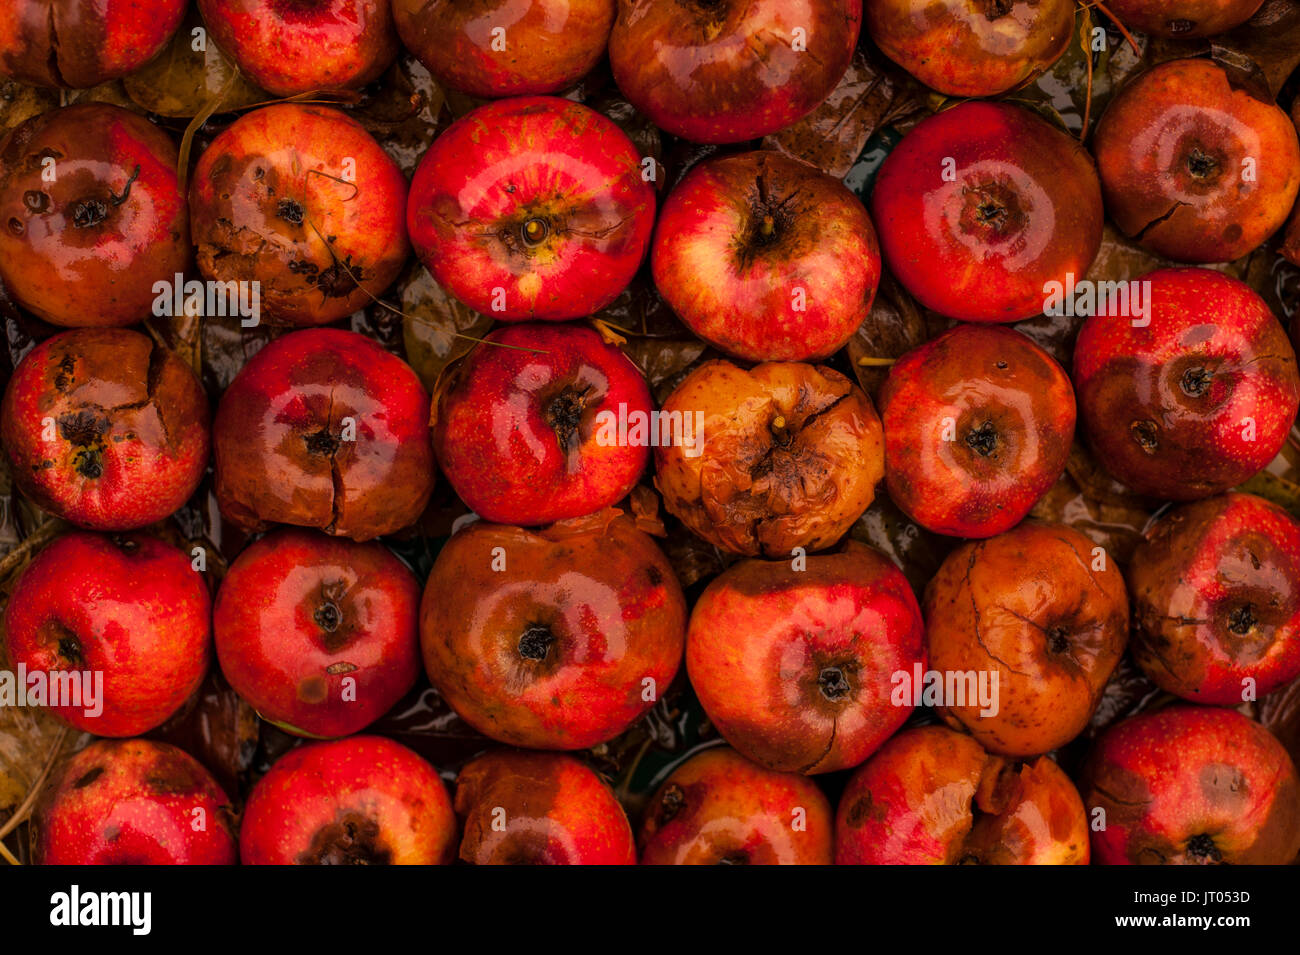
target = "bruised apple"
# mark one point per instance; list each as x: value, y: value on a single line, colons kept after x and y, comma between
x: 1183, y: 19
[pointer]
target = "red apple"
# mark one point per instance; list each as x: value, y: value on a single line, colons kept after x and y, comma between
x: 318, y: 633
x: 364, y: 800
x: 539, y: 809
x: 323, y: 428
x: 723, y: 71
x: 105, y: 428
x: 718, y: 808
x: 558, y: 638
x: 766, y: 258
x: 978, y: 425
x: 1193, y: 399
x: 302, y: 200
x: 1192, y: 785
x: 794, y: 661
x: 132, y: 802
x: 532, y: 208
x: 526, y: 427
x: 981, y: 205
x: 1183, y: 19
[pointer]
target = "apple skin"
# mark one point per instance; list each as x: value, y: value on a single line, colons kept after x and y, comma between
x: 1011, y: 408
x: 280, y: 442
x: 1023, y: 209
x: 1166, y: 406
x: 931, y: 796
x: 550, y: 44
x: 128, y: 606
x: 971, y: 47
x: 75, y: 44
x: 543, y: 459
x: 299, y: 612
x: 557, y: 812
x: 1189, y: 785
x: 724, y: 71
x: 1183, y: 19
x: 131, y: 428
x: 766, y: 257
x: 1039, y: 608
x: 794, y: 667
x: 1216, y: 600
x: 291, y: 48
x: 791, y: 457
x: 266, y: 196
x: 553, y: 651
x: 718, y: 808
x: 132, y: 802
x: 86, y: 249
x: 537, y: 197
x: 1172, y: 149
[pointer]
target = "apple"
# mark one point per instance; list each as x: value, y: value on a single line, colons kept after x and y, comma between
x: 132, y: 802
x: 105, y: 428
x: 1192, y: 785
x: 524, y: 808
x: 978, y: 425
x: 506, y: 47
x: 364, y: 800
x: 1044, y: 611
x: 1183, y: 19
x: 558, y: 638
x: 302, y: 200
x: 981, y: 205
x: 1194, y: 399
x: 319, y: 634
x: 972, y: 47
x: 526, y: 426
x: 781, y: 456
x: 931, y: 796
x: 87, y: 247
x: 532, y: 208
x: 718, y: 808
x: 323, y: 428
x: 1193, y: 166
x: 766, y: 257
x: 794, y: 665
x: 724, y: 71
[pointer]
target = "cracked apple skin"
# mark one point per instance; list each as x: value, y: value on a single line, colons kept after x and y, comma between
x: 299, y: 613
x: 532, y: 208
x: 547, y: 455
x: 554, y: 651
x: 286, y: 47
x: 1023, y: 208
x: 1174, y: 147
x: 1192, y: 785
x: 281, y: 442
x: 1183, y: 19
x: 1198, y: 401
x: 766, y: 257
x: 130, y: 428
x: 978, y: 425
x: 794, y: 667
x: 267, y: 205
x: 128, y: 606
x: 972, y: 47
x: 86, y: 249
x: 791, y: 457
x: 363, y: 800
x: 724, y: 71
x: 549, y: 44
x: 132, y: 802
x: 1215, y: 599
x: 718, y: 808
x: 932, y: 796
x: 1040, y: 609
x: 557, y: 812
x: 77, y: 44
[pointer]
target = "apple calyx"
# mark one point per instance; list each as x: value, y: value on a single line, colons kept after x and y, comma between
x: 1242, y: 620
x: 992, y: 209
x: 833, y: 682
x: 563, y: 415
x: 91, y: 211
x: 351, y: 839
x: 1203, y: 850
x: 983, y: 440
x: 535, y: 642
x: 84, y: 430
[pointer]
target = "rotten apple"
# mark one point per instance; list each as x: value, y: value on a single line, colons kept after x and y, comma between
x: 1183, y: 19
